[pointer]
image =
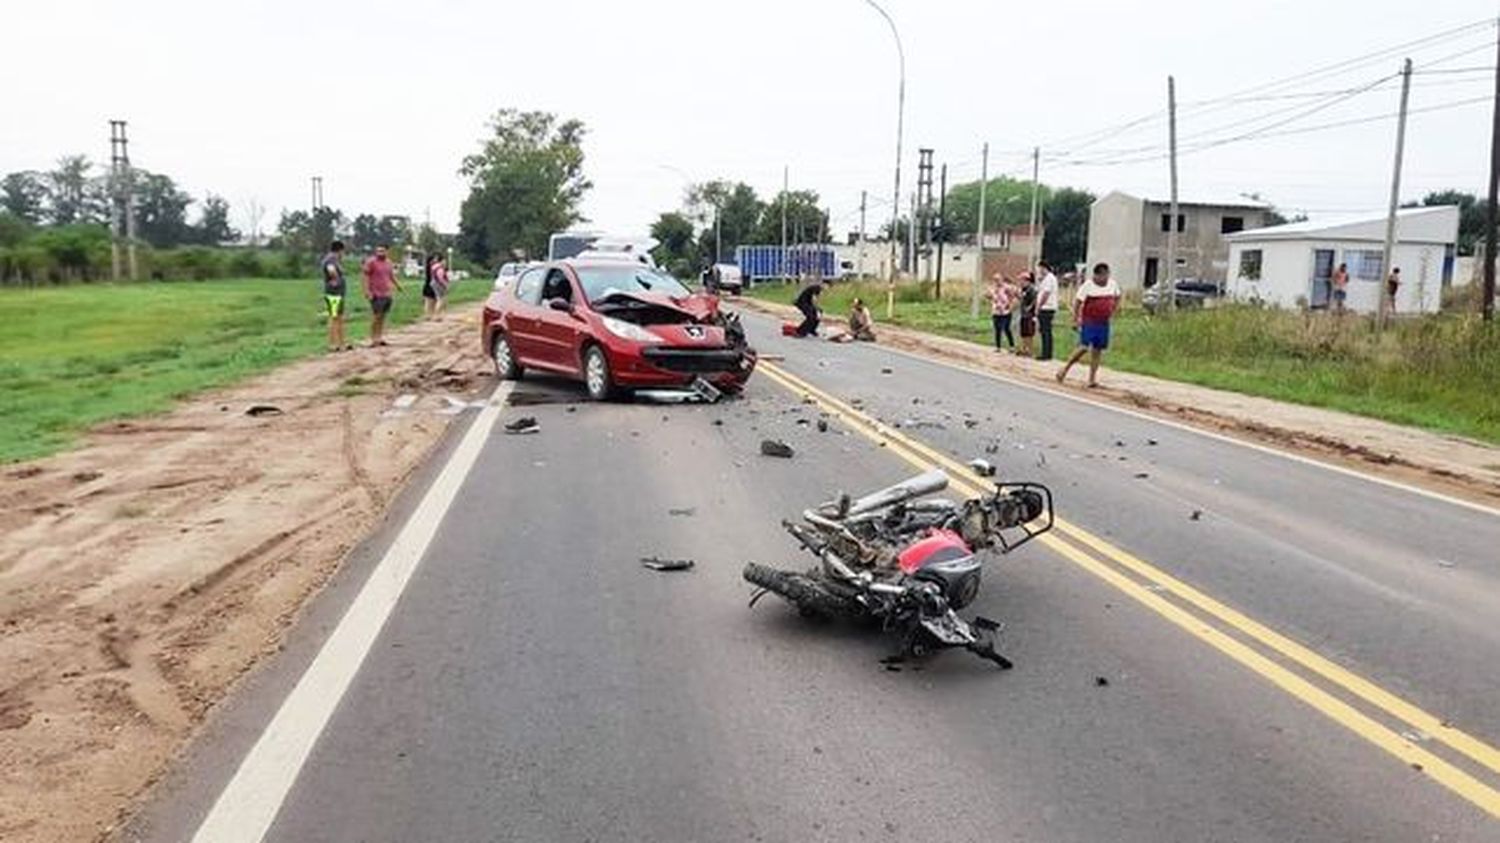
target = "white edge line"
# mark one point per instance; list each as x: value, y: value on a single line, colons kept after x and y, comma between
x: 1254, y: 446
x: 249, y: 803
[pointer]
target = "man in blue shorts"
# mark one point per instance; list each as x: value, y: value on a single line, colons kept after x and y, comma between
x: 1093, y: 307
x: 332, y: 270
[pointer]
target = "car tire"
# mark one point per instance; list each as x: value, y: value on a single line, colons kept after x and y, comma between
x: 598, y: 380
x: 504, y: 356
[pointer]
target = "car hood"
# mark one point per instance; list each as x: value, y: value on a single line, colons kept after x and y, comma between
x: 644, y: 308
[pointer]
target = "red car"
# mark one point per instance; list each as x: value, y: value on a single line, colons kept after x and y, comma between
x: 615, y: 325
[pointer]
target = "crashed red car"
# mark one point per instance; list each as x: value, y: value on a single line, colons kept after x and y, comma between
x: 615, y: 325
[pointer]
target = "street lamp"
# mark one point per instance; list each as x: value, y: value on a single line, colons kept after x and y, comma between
x: 890, y: 293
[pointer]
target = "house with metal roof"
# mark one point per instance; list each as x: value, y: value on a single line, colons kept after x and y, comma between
x: 1130, y: 234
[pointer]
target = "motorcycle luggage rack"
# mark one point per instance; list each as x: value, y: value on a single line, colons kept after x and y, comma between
x: 1027, y: 528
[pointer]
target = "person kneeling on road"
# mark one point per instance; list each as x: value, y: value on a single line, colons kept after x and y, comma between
x: 1093, y: 307
x: 807, y: 303
x: 861, y: 324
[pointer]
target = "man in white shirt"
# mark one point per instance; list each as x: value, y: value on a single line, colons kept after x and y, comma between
x: 1046, y: 307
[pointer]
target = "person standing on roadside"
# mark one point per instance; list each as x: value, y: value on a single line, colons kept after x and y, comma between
x: 1340, y: 283
x: 380, y: 287
x: 1093, y: 307
x: 1003, y: 294
x: 439, y: 285
x: 807, y: 302
x: 1027, y: 307
x: 1393, y: 286
x: 332, y: 270
x: 1046, y: 307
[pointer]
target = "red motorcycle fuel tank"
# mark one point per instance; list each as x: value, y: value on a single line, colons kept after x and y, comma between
x: 936, y: 547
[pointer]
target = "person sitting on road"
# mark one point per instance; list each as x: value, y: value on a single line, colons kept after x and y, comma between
x: 861, y: 324
x: 807, y: 303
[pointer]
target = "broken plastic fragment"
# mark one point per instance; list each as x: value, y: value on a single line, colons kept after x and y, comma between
x: 658, y: 564
x: 524, y: 424
x: 776, y: 448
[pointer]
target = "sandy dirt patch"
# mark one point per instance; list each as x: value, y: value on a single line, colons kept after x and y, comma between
x: 146, y: 570
x: 1445, y: 463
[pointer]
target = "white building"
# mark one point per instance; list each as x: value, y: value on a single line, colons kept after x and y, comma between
x: 1291, y: 265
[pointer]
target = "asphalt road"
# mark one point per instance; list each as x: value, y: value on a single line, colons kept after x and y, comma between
x: 534, y: 682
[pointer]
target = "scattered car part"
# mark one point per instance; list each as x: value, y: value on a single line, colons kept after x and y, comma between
x: 659, y: 564
x: 525, y: 424
x: 776, y: 448
x: 258, y: 410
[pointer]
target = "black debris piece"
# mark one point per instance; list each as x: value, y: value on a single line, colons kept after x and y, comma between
x: 718, y: 422
x: 1101, y: 682
x: 258, y: 410
x: 822, y: 425
x: 1119, y: 443
x: 658, y: 564
x: 971, y: 423
x: 885, y: 370
x: 776, y: 448
x: 992, y: 448
x: 572, y: 409
x: 1150, y: 441
x: 1141, y: 475
x: 1197, y: 515
x: 686, y: 511
x: 803, y: 422
x: 524, y: 424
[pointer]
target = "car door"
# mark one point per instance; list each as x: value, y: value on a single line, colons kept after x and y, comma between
x: 559, y: 322
x: 521, y: 322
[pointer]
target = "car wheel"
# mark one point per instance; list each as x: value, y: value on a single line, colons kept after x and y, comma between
x: 506, y: 367
x: 596, y: 375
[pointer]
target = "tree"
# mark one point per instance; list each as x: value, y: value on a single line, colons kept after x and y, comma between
x: 365, y: 231
x: 1007, y: 202
x: 294, y: 232
x: 161, y: 211
x: 393, y: 230
x: 213, y: 223
x: 1470, y: 216
x: 1067, y: 227
x: 676, y: 249
x: 254, y: 213
x: 739, y: 211
x: 805, y: 220
x: 73, y: 194
x: 24, y: 195
x: 525, y: 183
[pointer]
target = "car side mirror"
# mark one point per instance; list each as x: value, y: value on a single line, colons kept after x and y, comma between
x: 560, y: 304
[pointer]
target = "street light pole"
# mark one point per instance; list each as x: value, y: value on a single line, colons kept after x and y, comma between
x: 890, y: 292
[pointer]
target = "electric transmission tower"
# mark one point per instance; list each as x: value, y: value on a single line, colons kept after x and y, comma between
x: 122, y: 200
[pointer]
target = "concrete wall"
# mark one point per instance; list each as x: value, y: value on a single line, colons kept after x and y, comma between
x: 1115, y: 222
x: 1202, y: 251
x: 1287, y: 270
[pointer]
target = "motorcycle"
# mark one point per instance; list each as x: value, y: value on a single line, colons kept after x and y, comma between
x: 908, y: 562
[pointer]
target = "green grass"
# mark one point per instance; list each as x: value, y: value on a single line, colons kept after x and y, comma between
x: 1439, y: 372
x: 74, y: 356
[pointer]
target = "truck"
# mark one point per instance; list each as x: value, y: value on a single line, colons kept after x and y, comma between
x: 814, y: 260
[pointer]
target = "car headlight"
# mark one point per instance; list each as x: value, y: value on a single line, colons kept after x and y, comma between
x: 628, y: 330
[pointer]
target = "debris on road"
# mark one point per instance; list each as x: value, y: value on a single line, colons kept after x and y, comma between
x: 971, y: 423
x: 524, y: 424
x: 706, y: 391
x: 1197, y: 515
x: 1141, y: 475
x: 87, y: 476
x: 258, y: 410
x: 776, y: 448
x: 685, y: 511
x: 1444, y: 563
x: 1101, y: 682
x: 772, y: 358
x: 886, y: 370
x: 658, y: 564
x: 822, y: 425
x: 983, y: 468
x: 1150, y: 441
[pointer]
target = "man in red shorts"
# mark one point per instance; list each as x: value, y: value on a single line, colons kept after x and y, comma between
x: 1093, y: 307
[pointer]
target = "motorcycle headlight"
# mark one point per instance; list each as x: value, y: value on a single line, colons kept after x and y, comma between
x: 628, y: 330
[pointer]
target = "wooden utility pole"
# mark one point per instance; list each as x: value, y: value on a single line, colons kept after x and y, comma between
x: 1390, y: 219
x: 1170, y: 274
x: 859, y: 270
x: 1490, y: 212
x: 1036, y: 165
x: 984, y: 181
x: 942, y: 234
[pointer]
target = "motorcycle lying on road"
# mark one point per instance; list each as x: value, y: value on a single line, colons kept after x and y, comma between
x: 906, y: 562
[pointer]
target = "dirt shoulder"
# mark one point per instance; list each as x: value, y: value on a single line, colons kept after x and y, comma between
x: 146, y: 570
x: 1443, y: 463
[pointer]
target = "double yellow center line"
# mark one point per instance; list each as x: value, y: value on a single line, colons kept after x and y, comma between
x: 1336, y: 692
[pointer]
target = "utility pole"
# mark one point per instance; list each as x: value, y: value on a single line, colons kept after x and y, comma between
x: 1490, y: 221
x: 784, y: 183
x: 984, y: 182
x: 942, y: 234
x: 924, y: 202
x: 718, y: 236
x: 1171, y: 273
x: 911, y: 227
x: 1036, y: 166
x: 317, y: 193
x: 859, y: 259
x: 123, y: 216
x: 1390, y: 220
x: 890, y: 287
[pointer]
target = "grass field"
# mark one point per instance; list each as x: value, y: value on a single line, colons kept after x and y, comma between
x: 1440, y: 373
x: 74, y: 356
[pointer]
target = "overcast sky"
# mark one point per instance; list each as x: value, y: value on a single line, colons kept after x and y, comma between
x: 383, y: 99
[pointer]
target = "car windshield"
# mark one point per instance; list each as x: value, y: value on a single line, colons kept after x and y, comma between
x: 600, y: 282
